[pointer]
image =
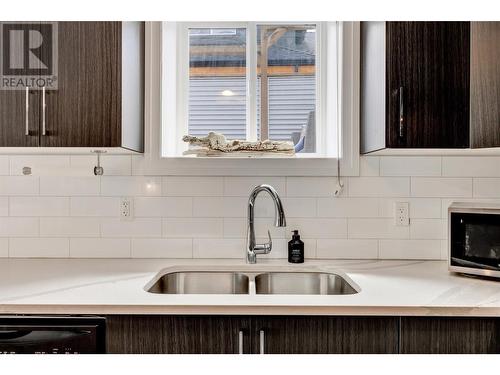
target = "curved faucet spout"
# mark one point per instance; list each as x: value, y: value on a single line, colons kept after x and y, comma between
x: 279, y: 220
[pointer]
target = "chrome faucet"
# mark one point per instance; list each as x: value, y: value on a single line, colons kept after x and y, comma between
x: 279, y: 221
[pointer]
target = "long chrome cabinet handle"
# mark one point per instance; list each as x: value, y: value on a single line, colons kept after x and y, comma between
x: 240, y: 342
x: 262, y: 341
x: 44, y: 106
x: 27, y: 111
x: 401, y: 113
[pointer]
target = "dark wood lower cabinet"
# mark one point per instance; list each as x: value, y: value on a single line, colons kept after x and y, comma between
x: 132, y: 334
x: 444, y: 335
x: 280, y: 334
x: 169, y: 334
x: 325, y: 335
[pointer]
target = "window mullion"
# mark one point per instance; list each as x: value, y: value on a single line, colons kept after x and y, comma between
x: 251, y: 78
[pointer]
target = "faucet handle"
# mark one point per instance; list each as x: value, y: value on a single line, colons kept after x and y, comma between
x: 264, y: 248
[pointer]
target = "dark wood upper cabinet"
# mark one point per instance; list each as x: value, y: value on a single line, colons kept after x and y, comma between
x: 447, y: 335
x: 427, y: 84
x: 415, y: 85
x: 98, y: 101
x: 85, y: 109
x: 485, y: 84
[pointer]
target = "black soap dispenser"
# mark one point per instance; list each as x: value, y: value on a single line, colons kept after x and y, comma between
x: 295, y: 249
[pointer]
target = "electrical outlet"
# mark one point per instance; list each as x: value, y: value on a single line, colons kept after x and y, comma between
x: 126, y: 209
x: 402, y: 214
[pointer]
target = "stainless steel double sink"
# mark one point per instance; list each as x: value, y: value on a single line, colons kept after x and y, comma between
x: 254, y: 282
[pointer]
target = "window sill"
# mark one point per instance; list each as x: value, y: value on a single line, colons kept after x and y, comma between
x: 231, y: 166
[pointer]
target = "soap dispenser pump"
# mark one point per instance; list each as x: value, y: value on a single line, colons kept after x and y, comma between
x: 295, y: 249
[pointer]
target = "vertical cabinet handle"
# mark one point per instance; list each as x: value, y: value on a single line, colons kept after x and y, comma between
x: 240, y: 342
x: 262, y: 341
x: 401, y: 113
x: 44, y: 106
x: 27, y: 112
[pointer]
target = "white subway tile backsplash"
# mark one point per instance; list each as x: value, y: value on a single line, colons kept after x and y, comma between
x: 420, y: 208
x: 4, y: 165
x: 441, y: 187
x: 130, y: 185
x: 410, y: 249
x: 379, y: 186
x: 19, y: 227
x: 311, y: 186
x: 99, y: 248
x: 218, y: 248
x: 297, y: 207
x: 69, y: 185
x: 64, y: 210
x: 178, y: 186
x: 69, y: 227
x: 430, y: 229
x: 369, y: 166
x: 41, y: 165
x: 163, y: 206
x: 376, y: 228
x: 95, y: 206
x: 39, y: 248
x: 38, y: 206
x: 237, y: 228
x: 162, y: 248
x: 4, y: 247
x: 318, y: 227
x: 138, y: 227
x: 410, y: 166
x: 479, y: 166
x: 486, y: 187
x: 4, y: 206
x: 193, y: 227
x: 346, y: 249
x: 348, y: 207
x: 19, y: 185
x: 242, y: 186
x: 114, y: 165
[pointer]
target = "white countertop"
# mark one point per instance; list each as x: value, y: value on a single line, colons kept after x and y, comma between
x: 116, y: 286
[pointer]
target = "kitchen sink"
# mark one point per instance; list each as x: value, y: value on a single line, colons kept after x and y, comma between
x: 251, y: 281
x: 197, y: 282
x: 302, y: 283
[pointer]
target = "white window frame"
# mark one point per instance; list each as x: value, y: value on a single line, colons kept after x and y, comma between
x: 158, y: 94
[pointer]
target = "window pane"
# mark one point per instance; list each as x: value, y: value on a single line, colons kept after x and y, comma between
x: 217, y: 82
x: 286, y: 67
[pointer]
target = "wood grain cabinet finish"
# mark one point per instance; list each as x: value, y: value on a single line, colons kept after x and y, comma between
x: 485, y: 84
x: 325, y: 335
x: 85, y: 110
x: 428, y: 74
x: 90, y: 106
x: 415, y: 85
x: 176, y: 334
x: 443, y: 335
x: 281, y: 334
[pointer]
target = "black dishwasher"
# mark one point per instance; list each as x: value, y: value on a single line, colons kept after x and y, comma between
x: 52, y: 334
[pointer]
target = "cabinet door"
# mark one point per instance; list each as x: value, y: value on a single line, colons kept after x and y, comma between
x: 19, y: 109
x: 431, y: 335
x: 427, y: 83
x: 485, y: 84
x: 177, y: 335
x: 85, y: 110
x: 324, y: 335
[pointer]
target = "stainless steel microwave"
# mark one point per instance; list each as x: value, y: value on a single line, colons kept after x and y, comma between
x: 474, y: 238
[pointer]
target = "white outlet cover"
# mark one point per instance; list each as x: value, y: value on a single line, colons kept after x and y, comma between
x: 402, y: 214
x: 126, y: 208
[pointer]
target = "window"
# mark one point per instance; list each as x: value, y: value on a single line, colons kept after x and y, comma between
x: 251, y: 81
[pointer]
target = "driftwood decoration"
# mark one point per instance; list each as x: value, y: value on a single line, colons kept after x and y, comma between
x: 214, y: 144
